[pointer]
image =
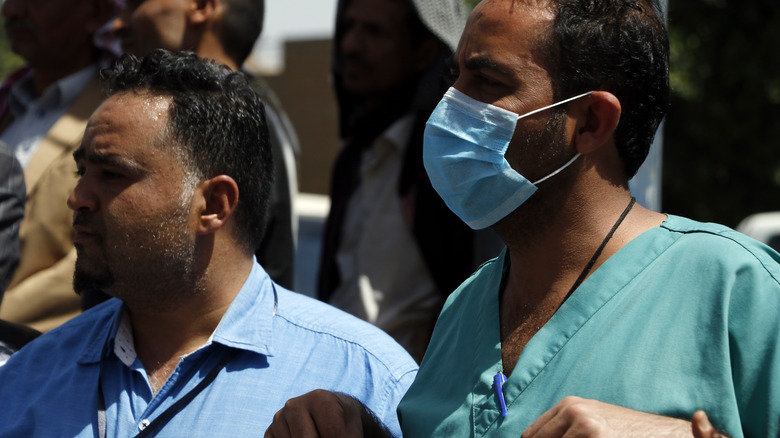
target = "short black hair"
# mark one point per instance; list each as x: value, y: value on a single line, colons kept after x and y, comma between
x: 240, y: 27
x: 215, y: 118
x: 620, y: 46
x: 417, y: 29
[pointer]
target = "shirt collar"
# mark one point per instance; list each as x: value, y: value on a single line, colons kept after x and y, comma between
x: 247, y: 324
x: 62, y: 93
x: 102, y: 333
x: 398, y: 133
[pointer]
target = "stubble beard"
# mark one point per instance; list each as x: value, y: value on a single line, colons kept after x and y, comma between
x: 152, y: 267
x: 85, y: 281
x: 549, y: 146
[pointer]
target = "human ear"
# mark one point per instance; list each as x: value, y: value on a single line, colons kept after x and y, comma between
x: 219, y: 202
x: 203, y: 11
x: 597, y: 118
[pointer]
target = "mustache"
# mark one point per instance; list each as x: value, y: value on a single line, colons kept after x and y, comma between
x: 81, y: 219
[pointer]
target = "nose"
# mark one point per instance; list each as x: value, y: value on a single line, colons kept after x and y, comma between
x: 82, y: 199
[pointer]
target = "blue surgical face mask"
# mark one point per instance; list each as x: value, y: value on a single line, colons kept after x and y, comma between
x: 463, y: 151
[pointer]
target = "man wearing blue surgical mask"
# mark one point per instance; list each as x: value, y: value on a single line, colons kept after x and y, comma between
x: 602, y: 318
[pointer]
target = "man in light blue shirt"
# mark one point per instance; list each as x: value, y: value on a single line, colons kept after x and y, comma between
x: 174, y: 169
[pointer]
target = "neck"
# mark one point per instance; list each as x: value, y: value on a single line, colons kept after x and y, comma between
x: 162, y: 335
x: 209, y: 47
x: 549, y: 245
x: 549, y: 255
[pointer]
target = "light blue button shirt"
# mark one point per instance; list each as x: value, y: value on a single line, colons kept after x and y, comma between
x: 50, y: 388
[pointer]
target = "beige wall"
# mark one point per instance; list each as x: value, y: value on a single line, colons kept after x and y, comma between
x: 306, y: 94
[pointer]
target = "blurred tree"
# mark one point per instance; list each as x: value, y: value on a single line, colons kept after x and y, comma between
x: 8, y: 59
x: 722, y: 137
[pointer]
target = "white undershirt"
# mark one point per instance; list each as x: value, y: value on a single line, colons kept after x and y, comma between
x: 384, y: 279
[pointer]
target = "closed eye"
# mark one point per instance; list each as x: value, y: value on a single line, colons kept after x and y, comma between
x: 108, y: 174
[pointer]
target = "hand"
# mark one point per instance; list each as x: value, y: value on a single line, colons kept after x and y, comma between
x: 578, y: 417
x: 324, y: 414
x: 702, y: 428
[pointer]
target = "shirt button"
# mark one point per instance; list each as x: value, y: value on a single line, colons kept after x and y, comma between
x: 142, y: 425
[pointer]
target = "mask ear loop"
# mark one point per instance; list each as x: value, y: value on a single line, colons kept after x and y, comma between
x: 574, y: 158
x: 555, y: 104
x: 560, y: 169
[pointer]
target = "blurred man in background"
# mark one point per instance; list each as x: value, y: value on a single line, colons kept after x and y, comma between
x: 44, y: 108
x: 12, y: 195
x: 392, y: 251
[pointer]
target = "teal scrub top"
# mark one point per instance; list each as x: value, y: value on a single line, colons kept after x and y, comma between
x: 684, y: 317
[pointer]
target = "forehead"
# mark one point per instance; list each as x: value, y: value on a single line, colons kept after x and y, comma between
x: 129, y: 125
x: 500, y: 39
x: 386, y: 13
x: 505, y: 28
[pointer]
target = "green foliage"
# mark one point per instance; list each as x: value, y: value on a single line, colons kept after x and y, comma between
x: 8, y: 60
x: 721, y: 155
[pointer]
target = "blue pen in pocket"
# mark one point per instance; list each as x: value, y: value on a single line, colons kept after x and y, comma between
x: 498, y: 383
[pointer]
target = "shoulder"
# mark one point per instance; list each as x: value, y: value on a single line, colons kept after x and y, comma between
x: 730, y: 274
x: 312, y: 320
x: 55, y: 375
x: 79, y: 339
x: 719, y: 247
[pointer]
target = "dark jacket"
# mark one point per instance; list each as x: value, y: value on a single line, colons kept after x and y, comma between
x: 446, y: 243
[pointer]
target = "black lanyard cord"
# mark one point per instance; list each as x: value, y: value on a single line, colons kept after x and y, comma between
x: 596, y: 255
x: 174, y: 408
x: 588, y: 266
x: 179, y: 404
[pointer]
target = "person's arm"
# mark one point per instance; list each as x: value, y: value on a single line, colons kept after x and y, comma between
x: 325, y: 414
x: 12, y: 196
x: 575, y: 416
x: 45, y: 299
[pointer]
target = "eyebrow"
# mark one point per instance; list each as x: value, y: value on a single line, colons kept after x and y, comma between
x: 102, y: 158
x: 486, y: 62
